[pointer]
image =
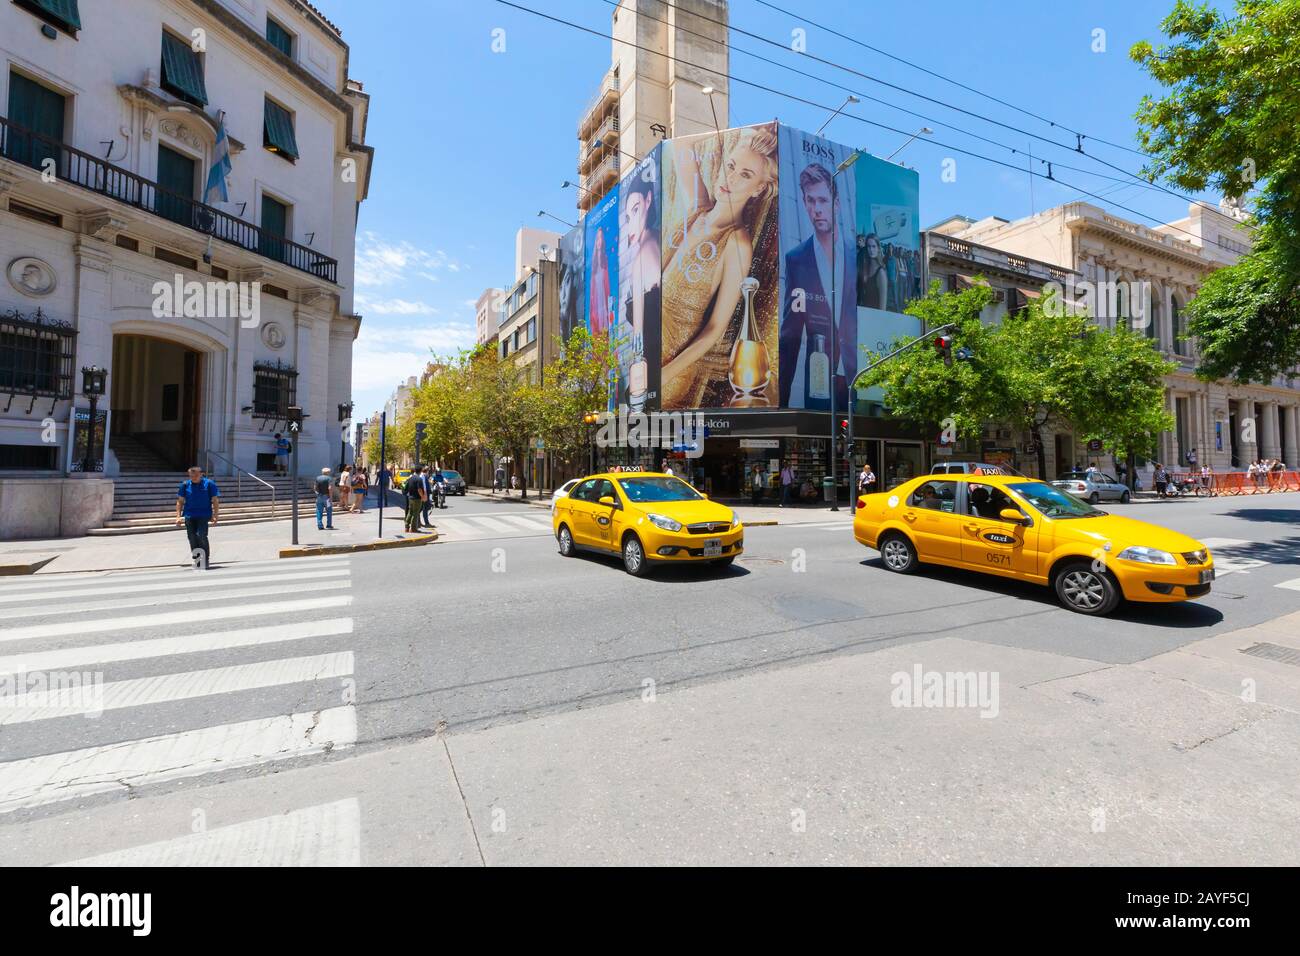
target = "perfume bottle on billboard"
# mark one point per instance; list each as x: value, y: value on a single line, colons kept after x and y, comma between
x: 751, y: 366
x: 819, y: 370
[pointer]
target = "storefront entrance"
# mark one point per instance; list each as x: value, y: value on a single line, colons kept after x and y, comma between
x: 155, y: 404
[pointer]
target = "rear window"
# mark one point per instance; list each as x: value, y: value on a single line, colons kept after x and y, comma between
x: 453, y: 475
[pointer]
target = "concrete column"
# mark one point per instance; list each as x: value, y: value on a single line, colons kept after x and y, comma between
x: 1268, y: 433
x: 1169, y: 441
x: 1291, y: 423
x: 1247, y: 428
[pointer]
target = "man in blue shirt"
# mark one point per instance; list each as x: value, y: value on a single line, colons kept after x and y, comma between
x: 198, y: 504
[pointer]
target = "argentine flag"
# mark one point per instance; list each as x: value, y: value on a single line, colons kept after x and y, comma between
x: 216, y: 190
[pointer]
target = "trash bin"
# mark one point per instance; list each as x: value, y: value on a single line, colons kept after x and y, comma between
x: 828, y: 488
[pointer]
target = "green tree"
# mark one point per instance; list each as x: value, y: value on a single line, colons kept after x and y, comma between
x: 573, y: 385
x: 1227, y: 122
x: 504, y: 407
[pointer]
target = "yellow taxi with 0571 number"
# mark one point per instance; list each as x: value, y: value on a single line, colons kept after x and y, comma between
x: 648, y: 518
x: 1022, y: 528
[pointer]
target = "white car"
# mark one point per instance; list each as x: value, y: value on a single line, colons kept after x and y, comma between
x: 562, y: 492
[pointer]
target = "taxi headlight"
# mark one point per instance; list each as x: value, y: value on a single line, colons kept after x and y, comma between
x: 664, y: 522
x: 735, y: 521
x: 1146, y: 555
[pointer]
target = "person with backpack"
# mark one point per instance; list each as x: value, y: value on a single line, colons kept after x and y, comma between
x: 416, y: 496
x: 282, y: 449
x: 324, y: 501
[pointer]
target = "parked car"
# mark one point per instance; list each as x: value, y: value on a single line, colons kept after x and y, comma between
x: 973, y: 468
x: 455, y: 481
x: 562, y: 492
x: 1100, y: 487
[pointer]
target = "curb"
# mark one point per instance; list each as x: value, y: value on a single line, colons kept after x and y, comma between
x: 15, y: 568
x: 759, y: 524
x: 307, y: 551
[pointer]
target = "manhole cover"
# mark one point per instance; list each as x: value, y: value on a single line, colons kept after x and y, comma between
x: 1274, y: 652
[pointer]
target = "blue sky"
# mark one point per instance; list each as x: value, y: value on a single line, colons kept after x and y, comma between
x: 471, y: 143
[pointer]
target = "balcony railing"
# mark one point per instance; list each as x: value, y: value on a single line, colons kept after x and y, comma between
x: 89, y: 172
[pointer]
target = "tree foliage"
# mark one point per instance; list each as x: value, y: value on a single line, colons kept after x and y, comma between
x: 1227, y: 121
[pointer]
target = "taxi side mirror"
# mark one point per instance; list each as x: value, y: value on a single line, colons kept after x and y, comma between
x: 1011, y: 514
x: 607, y: 500
x: 704, y: 496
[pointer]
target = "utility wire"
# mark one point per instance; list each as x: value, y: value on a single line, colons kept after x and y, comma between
x: 821, y: 106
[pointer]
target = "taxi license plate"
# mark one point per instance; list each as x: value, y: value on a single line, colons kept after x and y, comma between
x: 713, y: 547
x: 1207, y: 576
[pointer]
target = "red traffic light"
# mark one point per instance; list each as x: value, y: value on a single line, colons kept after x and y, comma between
x: 943, y: 343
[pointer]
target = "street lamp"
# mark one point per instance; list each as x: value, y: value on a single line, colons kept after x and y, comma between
x: 835, y: 332
x: 709, y: 91
x: 851, y: 99
x: 543, y: 212
x: 345, y: 413
x: 923, y: 131
x: 92, y: 386
x: 566, y: 184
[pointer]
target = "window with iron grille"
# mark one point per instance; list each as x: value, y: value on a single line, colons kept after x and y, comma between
x: 275, y: 388
x: 36, y: 355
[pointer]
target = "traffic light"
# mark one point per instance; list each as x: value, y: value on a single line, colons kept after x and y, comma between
x: 294, y: 417
x: 943, y: 344
x: 590, y: 418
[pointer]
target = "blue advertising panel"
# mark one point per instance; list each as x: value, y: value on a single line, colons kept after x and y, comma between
x: 573, y: 282
x: 818, y: 264
x: 635, y: 337
x: 601, y: 226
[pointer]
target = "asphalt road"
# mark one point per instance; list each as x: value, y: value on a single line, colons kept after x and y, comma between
x: 248, y: 670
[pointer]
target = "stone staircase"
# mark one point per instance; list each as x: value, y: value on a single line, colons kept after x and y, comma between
x: 146, y: 501
x: 135, y: 456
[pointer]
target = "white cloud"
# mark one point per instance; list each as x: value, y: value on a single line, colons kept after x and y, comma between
x: 380, y: 262
x: 394, y: 307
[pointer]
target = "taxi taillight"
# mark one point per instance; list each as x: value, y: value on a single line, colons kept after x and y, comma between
x: 862, y: 502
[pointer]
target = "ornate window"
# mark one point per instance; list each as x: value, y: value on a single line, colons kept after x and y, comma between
x: 275, y: 388
x: 37, y: 354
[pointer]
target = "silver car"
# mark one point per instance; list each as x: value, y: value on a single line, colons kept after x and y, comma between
x: 1098, y: 487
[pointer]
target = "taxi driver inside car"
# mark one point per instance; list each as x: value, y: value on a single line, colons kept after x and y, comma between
x: 648, y: 518
x: 1026, y: 529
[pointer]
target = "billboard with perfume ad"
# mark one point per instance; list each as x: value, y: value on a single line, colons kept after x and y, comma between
x: 890, y: 267
x: 601, y: 241
x: 818, y: 263
x: 572, y: 262
x: 720, y: 283
x: 635, y: 337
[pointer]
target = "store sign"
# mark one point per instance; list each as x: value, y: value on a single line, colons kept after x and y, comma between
x: 760, y: 443
x: 1094, y: 445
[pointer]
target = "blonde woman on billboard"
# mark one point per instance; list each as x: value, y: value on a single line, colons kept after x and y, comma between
x: 726, y: 184
x: 599, y: 309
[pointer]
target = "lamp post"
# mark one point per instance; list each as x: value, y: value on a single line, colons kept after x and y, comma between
x: 92, y: 386
x: 383, y: 465
x: 835, y: 329
x: 839, y: 109
x: 923, y: 131
x: 543, y: 212
x: 294, y: 417
x: 345, y: 415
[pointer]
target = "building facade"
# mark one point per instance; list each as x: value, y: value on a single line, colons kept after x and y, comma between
x: 646, y: 97
x: 1147, y: 277
x: 212, y: 311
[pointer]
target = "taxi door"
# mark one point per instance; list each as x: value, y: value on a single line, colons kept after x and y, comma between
x: 992, y: 544
x: 931, y: 514
x: 602, y: 516
x: 581, y: 511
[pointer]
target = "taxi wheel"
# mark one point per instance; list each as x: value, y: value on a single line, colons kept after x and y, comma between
x: 565, y: 538
x: 634, y: 559
x: 898, y: 554
x: 1081, y: 588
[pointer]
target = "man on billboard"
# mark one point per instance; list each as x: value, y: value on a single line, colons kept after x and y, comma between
x: 806, y: 317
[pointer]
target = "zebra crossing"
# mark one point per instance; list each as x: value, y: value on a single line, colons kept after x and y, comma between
x: 480, y: 527
x: 115, y: 682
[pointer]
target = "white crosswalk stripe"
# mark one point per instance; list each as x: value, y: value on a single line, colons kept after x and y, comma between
x: 478, y: 527
x: 146, y: 629
x: 1225, y: 564
x: 1292, y: 585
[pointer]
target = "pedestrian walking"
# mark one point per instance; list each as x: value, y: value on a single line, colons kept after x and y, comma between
x: 282, y: 449
x: 499, y: 480
x: 198, y: 505
x: 1191, y: 460
x: 757, y: 481
x: 866, y: 478
x: 345, y: 489
x: 1160, y: 478
x: 426, y: 483
x: 360, y: 488
x: 415, y: 498
x: 787, y: 483
x: 514, y: 482
x: 324, y: 501
x: 1207, y: 481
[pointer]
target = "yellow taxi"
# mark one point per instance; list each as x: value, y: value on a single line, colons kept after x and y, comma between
x: 648, y: 518
x: 1023, y: 528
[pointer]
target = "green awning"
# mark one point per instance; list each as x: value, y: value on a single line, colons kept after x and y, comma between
x: 65, y: 11
x: 277, y: 130
x: 182, y: 69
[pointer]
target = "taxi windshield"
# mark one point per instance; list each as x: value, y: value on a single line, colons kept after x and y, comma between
x: 658, y: 489
x: 1053, y: 502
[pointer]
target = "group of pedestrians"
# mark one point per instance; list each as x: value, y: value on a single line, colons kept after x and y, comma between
x: 1266, y: 474
x: 425, y: 489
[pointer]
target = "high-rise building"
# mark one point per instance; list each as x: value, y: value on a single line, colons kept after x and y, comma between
x: 663, y: 56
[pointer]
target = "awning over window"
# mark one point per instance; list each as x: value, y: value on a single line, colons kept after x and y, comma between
x: 1032, y: 293
x: 277, y: 131
x: 65, y: 11
x: 182, y: 69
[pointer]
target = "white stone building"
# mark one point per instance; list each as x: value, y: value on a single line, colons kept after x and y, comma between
x: 1229, y: 425
x: 111, y: 123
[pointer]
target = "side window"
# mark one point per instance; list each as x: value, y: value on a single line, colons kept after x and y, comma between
x: 605, y: 489
x: 939, y: 495
x: 986, y: 501
x: 585, y: 491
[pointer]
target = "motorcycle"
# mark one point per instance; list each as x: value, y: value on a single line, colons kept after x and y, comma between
x: 439, y: 494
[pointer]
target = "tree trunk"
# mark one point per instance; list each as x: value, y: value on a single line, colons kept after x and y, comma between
x: 1131, y: 478
x: 1042, y: 454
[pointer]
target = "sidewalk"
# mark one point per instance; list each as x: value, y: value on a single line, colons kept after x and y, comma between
x: 230, y: 544
x: 1156, y: 763
x: 751, y: 514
